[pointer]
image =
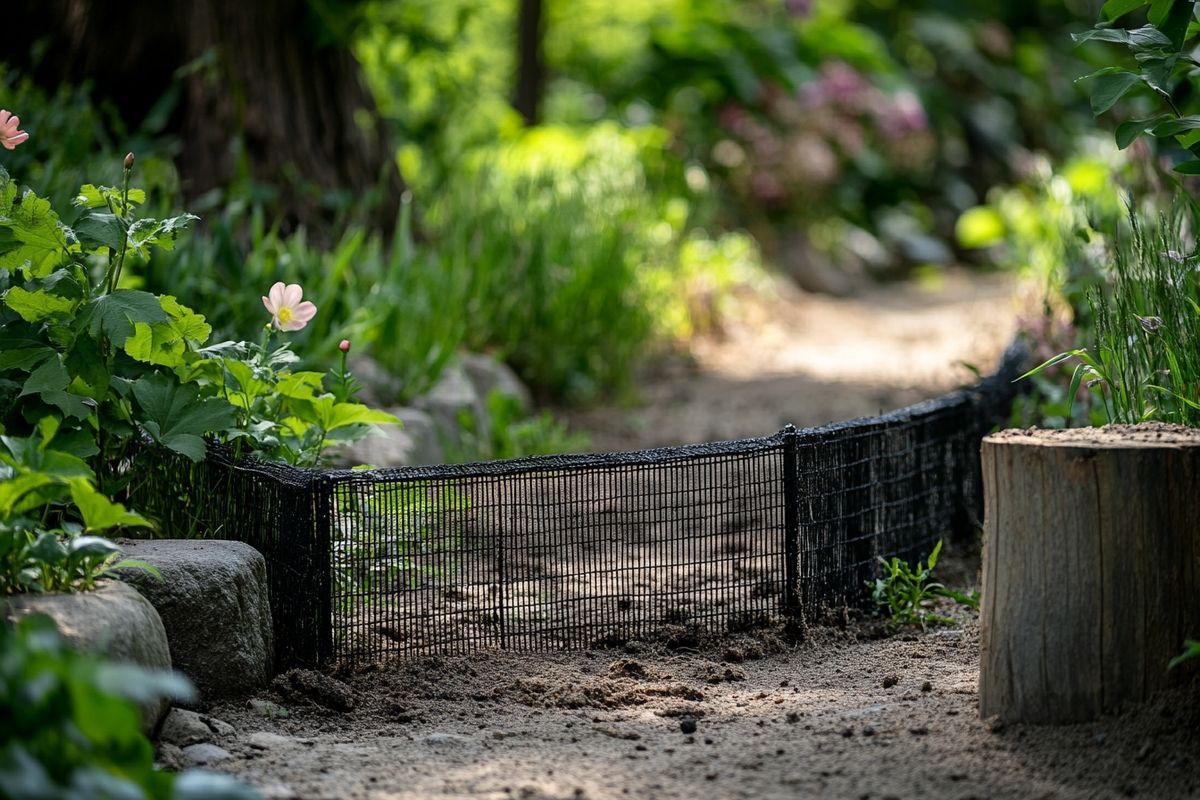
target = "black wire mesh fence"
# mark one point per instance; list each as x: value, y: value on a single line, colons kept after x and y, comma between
x: 564, y: 552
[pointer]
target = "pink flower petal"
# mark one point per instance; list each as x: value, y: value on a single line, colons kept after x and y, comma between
x: 4, y: 115
x: 304, y: 312
x: 276, y: 295
x: 292, y: 294
x: 270, y: 306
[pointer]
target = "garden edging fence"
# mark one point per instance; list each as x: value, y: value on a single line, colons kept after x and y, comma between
x: 572, y: 551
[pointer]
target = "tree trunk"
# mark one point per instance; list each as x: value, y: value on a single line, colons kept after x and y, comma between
x: 257, y: 75
x: 1091, y: 568
x: 531, y: 67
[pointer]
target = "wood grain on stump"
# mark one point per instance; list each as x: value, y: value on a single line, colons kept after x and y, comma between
x: 1091, y: 568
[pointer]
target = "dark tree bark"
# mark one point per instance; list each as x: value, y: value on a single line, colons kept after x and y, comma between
x: 531, y: 67
x: 256, y: 71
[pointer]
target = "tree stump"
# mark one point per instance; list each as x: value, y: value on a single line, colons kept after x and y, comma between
x: 1091, y: 568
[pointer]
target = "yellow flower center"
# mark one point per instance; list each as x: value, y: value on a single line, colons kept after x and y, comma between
x: 285, y: 315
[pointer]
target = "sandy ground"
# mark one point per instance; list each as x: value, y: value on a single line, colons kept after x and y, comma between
x: 850, y: 712
x: 808, y: 359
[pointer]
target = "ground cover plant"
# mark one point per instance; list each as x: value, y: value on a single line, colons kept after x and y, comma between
x: 906, y: 593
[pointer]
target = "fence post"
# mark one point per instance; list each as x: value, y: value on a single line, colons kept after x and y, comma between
x: 791, y: 521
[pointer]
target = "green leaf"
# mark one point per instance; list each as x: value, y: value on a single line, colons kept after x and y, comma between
x: 24, y: 357
x: 85, y: 361
x: 24, y: 492
x: 174, y: 415
x: 1191, y: 649
x: 38, y: 240
x: 1172, y: 18
x: 100, y: 228
x: 1188, y: 167
x: 160, y: 233
x: 37, y: 305
x: 49, y: 377
x: 1114, y: 9
x: 1110, y: 86
x: 100, y: 513
x: 1131, y: 129
x: 113, y: 315
x: 1174, y: 127
x: 155, y: 344
x: 1139, y: 38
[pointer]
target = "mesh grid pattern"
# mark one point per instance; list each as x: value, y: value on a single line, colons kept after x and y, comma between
x: 566, y: 552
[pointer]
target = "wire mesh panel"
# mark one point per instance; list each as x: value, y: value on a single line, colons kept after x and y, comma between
x: 546, y: 554
x: 569, y: 551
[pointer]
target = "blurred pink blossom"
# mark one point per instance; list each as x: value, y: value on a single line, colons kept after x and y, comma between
x: 10, y: 137
x: 288, y: 313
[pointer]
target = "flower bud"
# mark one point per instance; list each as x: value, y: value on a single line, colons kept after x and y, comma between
x: 344, y: 345
x: 129, y: 161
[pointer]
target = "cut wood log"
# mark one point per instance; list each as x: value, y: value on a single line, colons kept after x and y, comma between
x: 1091, y: 568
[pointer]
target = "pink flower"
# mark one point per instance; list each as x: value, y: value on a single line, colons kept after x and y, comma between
x: 287, y: 312
x: 10, y: 137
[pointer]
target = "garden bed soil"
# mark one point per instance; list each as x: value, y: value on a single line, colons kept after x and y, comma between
x: 850, y: 713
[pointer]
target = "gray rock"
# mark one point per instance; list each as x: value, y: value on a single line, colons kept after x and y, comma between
x: 114, y: 621
x: 451, y: 397
x: 380, y: 387
x: 489, y: 375
x: 415, y: 441
x: 182, y: 728
x: 214, y: 605
x: 170, y: 757
x: 265, y: 740
x: 219, y: 726
x: 202, y: 754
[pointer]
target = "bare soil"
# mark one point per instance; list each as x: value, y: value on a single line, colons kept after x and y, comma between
x: 850, y: 710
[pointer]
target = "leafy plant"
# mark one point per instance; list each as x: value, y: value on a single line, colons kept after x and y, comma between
x: 394, y: 537
x: 1144, y: 362
x: 71, y: 725
x: 512, y: 433
x: 906, y: 593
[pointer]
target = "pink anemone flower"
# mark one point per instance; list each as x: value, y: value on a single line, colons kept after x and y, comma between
x: 287, y: 312
x: 10, y: 137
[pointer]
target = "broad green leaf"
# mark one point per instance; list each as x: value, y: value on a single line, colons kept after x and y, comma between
x: 1174, y: 127
x: 92, y: 547
x: 113, y: 315
x: 85, y: 361
x: 1188, y: 167
x: 333, y: 415
x: 70, y: 404
x: 1138, y: 38
x: 38, y: 240
x: 91, y: 196
x: 300, y: 385
x: 1130, y: 130
x: 100, y: 228
x: 99, y: 513
x: 187, y: 323
x: 30, y: 454
x: 49, y: 377
x: 24, y: 358
x: 244, y: 382
x: 1114, y: 9
x: 155, y: 344
x: 24, y: 492
x: 1172, y: 18
x: 174, y: 415
x: 37, y: 305
x: 1110, y: 85
x: 160, y: 233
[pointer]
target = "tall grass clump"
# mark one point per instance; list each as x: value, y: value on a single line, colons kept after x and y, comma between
x: 1143, y: 362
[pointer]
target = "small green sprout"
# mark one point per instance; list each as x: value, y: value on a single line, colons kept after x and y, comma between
x: 907, y: 593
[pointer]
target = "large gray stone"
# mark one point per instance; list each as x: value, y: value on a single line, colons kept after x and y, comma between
x: 114, y: 621
x: 489, y: 375
x: 214, y: 605
x: 380, y: 387
x: 415, y: 441
x: 450, y: 398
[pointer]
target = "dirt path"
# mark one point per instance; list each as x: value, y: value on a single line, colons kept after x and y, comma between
x: 846, y: 714
x: 808, y: 360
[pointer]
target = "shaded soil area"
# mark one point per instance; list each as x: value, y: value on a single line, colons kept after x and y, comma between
x: 849, y: 713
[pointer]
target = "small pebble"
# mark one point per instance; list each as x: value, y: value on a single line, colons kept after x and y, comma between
x: 687, y: 723
x: 868, y: 731
x: 890, y: 680
x: 926, y: 687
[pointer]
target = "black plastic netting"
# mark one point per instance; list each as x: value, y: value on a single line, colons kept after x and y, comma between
x: 566, y: 552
